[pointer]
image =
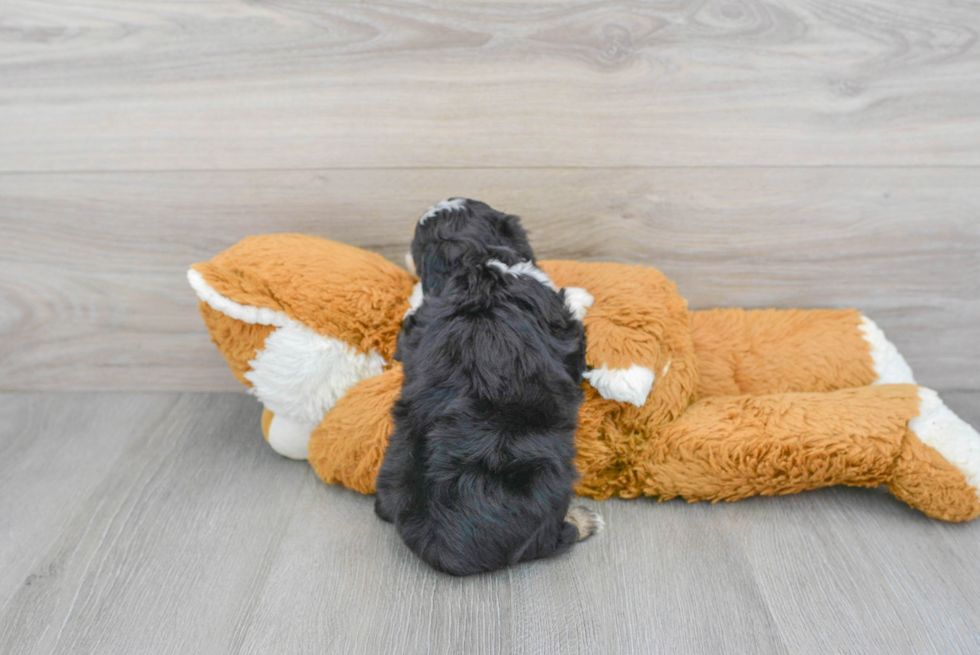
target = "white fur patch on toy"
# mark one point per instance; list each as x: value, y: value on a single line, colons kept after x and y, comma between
x: 288, y: 438
x: 627, y: 385
x: 414, y: 300
x: 578, y: 301
x: 299, y: 375
x: 302, y: 374
x: 938, y: 427
x: 889, y: 364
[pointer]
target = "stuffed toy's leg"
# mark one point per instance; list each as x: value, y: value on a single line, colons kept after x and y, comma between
x: 636, y: 326
x: 902, y: 436
x: 771, y: 351
x: 721, y: 448
x: 349, y: 445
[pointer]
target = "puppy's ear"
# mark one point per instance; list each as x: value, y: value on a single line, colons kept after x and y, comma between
x: 438, y: 264
x: 506, y: 254
x: 514, y: 235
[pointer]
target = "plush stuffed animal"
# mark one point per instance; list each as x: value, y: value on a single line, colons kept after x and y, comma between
x: 712, y: 405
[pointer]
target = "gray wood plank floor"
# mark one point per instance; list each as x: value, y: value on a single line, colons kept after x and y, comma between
x: 162, y: 523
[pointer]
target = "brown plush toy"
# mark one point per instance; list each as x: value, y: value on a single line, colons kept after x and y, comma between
x: 712, y: 405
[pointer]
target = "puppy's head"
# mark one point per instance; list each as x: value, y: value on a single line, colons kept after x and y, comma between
x: 458, y: 232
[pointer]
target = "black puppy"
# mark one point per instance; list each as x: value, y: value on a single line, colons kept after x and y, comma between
x: 479, y: 473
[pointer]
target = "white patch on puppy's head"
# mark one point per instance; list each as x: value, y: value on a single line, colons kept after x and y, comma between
x: 524, y: 268
x: 448, y: 204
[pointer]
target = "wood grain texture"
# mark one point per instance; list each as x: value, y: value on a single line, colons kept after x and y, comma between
x: 165, y: 553
x: 54, y: 453
x: 93, y: 293
x: 187, y: 534
x: 96, y: 86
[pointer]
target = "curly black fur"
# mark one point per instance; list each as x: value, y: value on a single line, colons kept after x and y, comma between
x: 478, y: 474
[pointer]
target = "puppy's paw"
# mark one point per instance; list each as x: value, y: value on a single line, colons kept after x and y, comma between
x: 585, y: 521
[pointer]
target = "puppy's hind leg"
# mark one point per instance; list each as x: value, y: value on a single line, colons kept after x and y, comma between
x: 585, y: 521
x: 387, y: 495
x: 382, y: 512
x: 556, y: 537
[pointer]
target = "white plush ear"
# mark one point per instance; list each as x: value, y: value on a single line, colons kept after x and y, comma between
x: 625, y: 385
x: 228, y: 307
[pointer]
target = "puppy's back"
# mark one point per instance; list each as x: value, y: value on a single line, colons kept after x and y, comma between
x: 479, y: 471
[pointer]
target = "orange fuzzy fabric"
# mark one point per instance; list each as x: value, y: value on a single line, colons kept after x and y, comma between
x: 775, y: 351
x: 743, y: 403
x: 354, y: 463
x: 310, y: 280
x: 238, y: 342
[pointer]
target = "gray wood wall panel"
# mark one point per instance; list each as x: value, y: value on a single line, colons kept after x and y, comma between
x: 93, y: 294
x: 301, y: 83
x: 187, y: 534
